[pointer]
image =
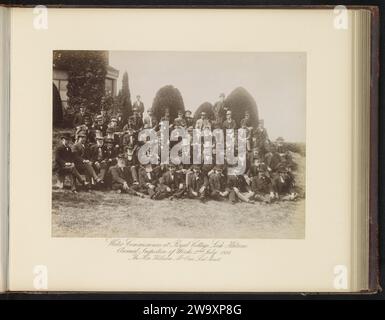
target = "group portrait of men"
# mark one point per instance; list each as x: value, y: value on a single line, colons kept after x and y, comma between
x: 102, y: 154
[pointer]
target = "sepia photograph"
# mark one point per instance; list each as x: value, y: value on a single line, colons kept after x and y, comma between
x: 157, y: 144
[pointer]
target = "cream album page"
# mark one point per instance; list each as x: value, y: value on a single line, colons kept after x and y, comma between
x: 180, y: 150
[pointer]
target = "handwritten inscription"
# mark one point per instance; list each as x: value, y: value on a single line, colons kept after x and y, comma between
x: 175, y: 250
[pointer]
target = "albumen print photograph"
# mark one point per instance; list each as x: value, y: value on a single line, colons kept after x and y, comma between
x: 155, y: 144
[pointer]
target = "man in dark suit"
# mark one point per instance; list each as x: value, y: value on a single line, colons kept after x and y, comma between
x: 138, y: 104
x: 189, y: 119
x: 259, y: 138
x: 64, y: 164
x: 121, y: 178
x: 82, y: 163
x: 147, y: 180
x: 79, y: 116
x: 170, y: 184
x: 239, y: 190
x: 219, y: 109
x: 217, y: 182
x: 136, y: 120
x: 180, y: 122
x: 99, y: 125
x: 97, y: 155
x: 131, y: 154
x: 197, y: 184
x: 261, y: 186
x: 283, y: 183
x: 229, y: 123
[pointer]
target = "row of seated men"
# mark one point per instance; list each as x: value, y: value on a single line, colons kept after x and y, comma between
x: 104, y: 165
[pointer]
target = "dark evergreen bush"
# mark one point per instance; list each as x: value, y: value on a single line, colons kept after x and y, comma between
x: 167, y: 97
x: 204, y: 107
x: 239, y: 101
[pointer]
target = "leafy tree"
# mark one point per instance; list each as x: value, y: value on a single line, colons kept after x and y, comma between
x: 239, y: 101
x: 86, y: 76
x: 204, y: 107
x: 167, y: 97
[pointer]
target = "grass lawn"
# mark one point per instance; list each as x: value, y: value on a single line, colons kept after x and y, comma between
x: 107, y: 214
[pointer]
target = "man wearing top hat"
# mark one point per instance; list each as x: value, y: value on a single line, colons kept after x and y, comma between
x: 64, y: 163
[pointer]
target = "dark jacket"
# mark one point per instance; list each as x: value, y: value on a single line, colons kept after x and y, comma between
x: 217, y: 182
x: 144, y: 178
x: 96, y: 153
x: 171, y: 181
x: 62, y: 155
x: 261, y: 185
x: 79, y: 119
x: 139, y: 106
x: 229, y: 125
x: 195, y: 182
x: 79, y: 152
x: 120, y: 175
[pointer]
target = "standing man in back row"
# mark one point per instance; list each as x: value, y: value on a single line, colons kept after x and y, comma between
x: 219, y: 109
x: 138, y: 104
